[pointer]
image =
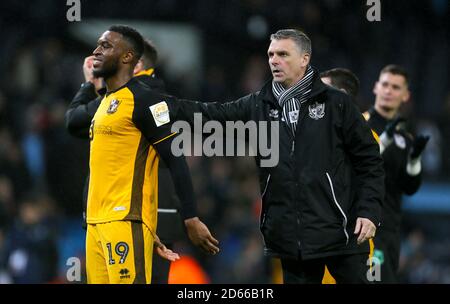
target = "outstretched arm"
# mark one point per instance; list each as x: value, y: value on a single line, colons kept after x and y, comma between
x: 153, y: 118
x: 238, y: 110
x: 197, y: 231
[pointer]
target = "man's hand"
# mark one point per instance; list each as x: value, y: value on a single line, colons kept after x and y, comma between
x: 392, y: 126
x: 89, y: 74
x: 365, y: 228
x: 418, y: 145
x: 200, y: 236
x: 387, y: 137
x: 164, y: 252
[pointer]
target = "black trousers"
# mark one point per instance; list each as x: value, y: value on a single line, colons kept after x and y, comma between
x: 346, y: 269
x: 389, y: 244
x: 160, y: 268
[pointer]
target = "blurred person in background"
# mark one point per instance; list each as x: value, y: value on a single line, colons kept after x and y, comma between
x: 307, y: 220
x: 401, y: 153
x: 78, y: 119
x: 341, y: 79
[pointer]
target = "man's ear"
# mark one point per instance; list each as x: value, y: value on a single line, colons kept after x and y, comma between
x: 305, y: 59
x: 374, y: 90
x: 406, y: 96
x: 128, y: 57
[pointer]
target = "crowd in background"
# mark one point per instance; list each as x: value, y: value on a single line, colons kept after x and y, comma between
x: 42, y: 168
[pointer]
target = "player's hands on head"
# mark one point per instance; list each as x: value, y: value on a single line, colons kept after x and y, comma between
x: 200, y: 236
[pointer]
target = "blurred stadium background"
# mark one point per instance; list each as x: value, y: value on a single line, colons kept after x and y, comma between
x: 211, y: 51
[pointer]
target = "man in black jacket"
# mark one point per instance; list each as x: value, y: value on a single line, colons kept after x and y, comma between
x: 78, y: 119
x: 321, y: 202
x: 401, y: 155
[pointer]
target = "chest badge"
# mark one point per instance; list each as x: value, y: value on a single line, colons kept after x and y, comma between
x: 273, y: 113
x: 316, y: 110
x: 113, y: 106
x: 399, y: 141
x: 293, y: 116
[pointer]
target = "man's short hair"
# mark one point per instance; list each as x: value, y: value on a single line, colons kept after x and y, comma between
x: 150, y: 55
x: 132, y: 36
x: 343, y: 79
x: 300, y: 38
x: 396, y: 70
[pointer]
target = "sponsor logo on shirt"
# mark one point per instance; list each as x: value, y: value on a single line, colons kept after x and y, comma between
x: 160, y: 113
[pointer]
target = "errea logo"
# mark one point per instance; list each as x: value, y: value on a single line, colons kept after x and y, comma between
x: 124, y: 273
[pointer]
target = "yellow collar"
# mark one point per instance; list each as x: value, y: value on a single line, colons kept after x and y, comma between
x: 148, y: 72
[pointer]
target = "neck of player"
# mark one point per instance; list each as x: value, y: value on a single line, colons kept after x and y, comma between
x: 118, y: 80
x: 387, y: 113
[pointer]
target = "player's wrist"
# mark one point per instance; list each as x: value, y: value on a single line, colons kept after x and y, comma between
x: 414, y: 166
x: 191, y: 220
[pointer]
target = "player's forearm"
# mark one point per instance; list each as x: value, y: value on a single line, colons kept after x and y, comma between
x: 80, y: 111
x: 410, y: 183
x: 84, y: 95
x: 237, y: 110
x: 181, y: 179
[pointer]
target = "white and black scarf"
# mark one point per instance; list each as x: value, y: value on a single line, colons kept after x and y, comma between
x: 291, y: 99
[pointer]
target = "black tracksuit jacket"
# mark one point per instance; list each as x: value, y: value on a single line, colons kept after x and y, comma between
x: 398, y: 181
x: 327, y: 176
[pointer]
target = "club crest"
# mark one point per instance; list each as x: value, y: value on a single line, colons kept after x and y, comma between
x: 113, y: 106
x: 316, y: 110
x: 273, y: 113
x: 293, y: 116
x: 399, y: 141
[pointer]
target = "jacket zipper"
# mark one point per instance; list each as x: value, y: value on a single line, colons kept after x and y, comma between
x: 344, y: 224
x: 262, y: 197
x: 265, y: 188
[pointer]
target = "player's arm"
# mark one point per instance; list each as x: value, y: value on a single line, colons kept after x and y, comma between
x: 363, y: 151
x: 81, y: 110
x: 165, y: 252
x: 153, y: 119
x: 238, y: 110
x: 85, y: 103
x: 197, y: 231
x: 411, y: 177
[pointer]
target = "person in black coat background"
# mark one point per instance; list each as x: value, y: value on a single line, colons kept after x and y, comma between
x: 401, y: 154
